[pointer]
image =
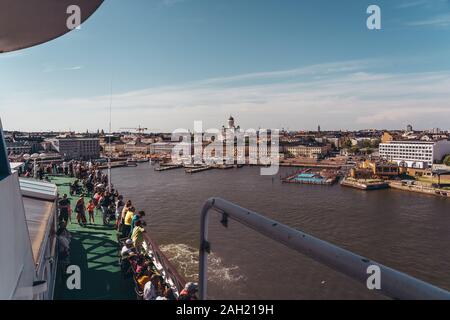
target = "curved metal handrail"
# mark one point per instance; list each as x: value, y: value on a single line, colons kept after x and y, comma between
x: 394, y: 284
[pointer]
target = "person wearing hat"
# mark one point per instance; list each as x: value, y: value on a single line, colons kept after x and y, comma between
x: 127, y: 248
x: 189, y: 292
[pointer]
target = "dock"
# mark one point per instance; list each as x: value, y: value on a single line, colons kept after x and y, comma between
x: 224, y: 166
x: 198, y: 169
x: 420, y: 189
x: 170, y: 167
x: 364, y: 185
x: 117, y: 164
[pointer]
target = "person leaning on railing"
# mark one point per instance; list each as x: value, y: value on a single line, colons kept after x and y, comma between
x: 138, y: 235
x: 126, y: 227
x: 137, y: 216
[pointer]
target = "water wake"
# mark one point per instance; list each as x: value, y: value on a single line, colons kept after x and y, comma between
x: 185, y: 259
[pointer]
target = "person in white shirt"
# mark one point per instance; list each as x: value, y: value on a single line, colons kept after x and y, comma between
x: 119, y: 207
x: 168, y: 295
x: 151, y: 288
x: 127, y: 248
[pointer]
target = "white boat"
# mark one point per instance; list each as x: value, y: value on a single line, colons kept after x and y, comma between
x: 131, y: 162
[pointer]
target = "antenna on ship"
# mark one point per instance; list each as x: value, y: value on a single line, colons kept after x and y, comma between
x: 109, y: 140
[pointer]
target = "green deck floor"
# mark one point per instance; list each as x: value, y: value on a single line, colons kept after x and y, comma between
x: 94, y: 250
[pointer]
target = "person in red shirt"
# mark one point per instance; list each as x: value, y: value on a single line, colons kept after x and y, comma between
x: 90, y: 208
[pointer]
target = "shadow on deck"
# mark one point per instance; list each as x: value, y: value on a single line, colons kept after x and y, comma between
x: 94, y: 250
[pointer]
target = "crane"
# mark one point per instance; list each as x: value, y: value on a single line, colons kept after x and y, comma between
x: 139, y: 129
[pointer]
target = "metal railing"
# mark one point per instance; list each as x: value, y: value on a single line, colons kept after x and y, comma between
x: 394, y: 284
x: 170, y: 271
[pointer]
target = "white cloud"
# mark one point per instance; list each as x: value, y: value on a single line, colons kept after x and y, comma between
x: 74, y: 68
x: 337, y: 96
x: 421, y: 3
x: 442, y: 20
x: 14, y: 54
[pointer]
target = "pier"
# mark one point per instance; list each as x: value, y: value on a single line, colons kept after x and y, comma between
x: 168, y: 167
x: 364, y: 184
x: 198, y: 169
x: 420, y: 189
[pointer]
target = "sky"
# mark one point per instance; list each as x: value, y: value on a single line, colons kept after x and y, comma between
x: 289, y: 64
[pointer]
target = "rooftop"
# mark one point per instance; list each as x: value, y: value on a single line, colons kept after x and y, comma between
x: 411, y: 142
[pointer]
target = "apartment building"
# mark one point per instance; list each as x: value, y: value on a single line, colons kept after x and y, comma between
x: 308, y: 151
x: 77, y: 148
x: 415, y: 154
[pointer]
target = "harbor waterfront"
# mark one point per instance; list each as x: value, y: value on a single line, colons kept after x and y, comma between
x: 407, y: 231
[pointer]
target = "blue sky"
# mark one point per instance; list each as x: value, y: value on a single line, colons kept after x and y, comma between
x: 271, y: 63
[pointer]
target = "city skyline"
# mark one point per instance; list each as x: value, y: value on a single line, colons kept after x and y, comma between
x: 297, y: 66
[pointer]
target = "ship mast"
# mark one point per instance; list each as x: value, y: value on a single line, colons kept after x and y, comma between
x: 109, y: 141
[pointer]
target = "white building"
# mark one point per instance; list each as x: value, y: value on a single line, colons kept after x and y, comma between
x: 415, y: 154
x: 162, y: 147
x: 231, y: 129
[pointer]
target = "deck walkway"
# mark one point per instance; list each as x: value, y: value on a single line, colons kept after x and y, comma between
x: 94, y: 250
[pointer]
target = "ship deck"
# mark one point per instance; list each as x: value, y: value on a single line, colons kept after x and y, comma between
x: 94, y: 250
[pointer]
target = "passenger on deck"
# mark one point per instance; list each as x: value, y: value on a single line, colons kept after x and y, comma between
x: 138, y: 235
x: 127, y: 222
x: 64, y: 208
x: 104, y: 204
x: 97, y: 199
x: 119, y: 207
x: 64, y: 238
x: 136, y: 217
x: 189, y: 292
x: 127, y: 248
x: 80, y: 209
x: 125, y: 209
x: 144, y: 277
x: 90, y: 208
x: 151, y: 291
x: 89, y: 186
x: 167, y: 295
